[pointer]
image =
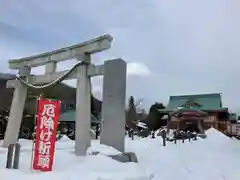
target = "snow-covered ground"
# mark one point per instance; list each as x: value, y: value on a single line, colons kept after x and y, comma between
x: 214, y: 158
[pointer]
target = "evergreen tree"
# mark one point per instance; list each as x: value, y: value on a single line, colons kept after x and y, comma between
x: 153, y: 120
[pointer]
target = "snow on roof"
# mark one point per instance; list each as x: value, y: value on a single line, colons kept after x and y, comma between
x: 142, y: 125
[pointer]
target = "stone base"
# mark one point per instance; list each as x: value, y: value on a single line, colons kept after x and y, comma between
x: 124, y: 158
x: 203, y: 136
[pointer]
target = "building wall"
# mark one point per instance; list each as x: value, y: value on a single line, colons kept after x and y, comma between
x: 233, y: 129
x: 210, y: 121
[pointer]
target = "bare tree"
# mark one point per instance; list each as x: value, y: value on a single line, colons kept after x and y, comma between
x: 131, y: 116
x: 138, y: 105
x: 141, y: 112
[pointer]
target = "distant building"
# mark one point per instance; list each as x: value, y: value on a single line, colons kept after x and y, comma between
x: 196, y: 112
x: 233, y: 127
x: 70, y: 116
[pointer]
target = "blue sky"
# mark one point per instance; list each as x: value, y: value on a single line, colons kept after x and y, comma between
x: 172, y: 47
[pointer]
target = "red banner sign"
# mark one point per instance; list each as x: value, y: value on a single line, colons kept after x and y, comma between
x: 47, y: 121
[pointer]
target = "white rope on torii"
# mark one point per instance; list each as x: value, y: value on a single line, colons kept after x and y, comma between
x: 58, y: 80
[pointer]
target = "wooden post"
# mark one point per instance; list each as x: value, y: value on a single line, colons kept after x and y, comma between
x: 153, y: 134
x: 182, y: 135
x: 175, y: 137
x: 16, y: 156
x: 97, y: 126
x: 10, y: 156
x: 194, y: 136
x: 164, y: 137
x: 132, y: 134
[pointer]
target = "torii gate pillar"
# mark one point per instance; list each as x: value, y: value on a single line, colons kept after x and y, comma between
x: 113, y: 107
x: 16, y: 111
x: 83, y: 109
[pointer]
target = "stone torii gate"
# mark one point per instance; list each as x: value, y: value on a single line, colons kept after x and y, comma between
x: 114, y: 91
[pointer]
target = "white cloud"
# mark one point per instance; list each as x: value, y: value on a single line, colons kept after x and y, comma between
x: 137, y: 69
x: 134, y: 69
x: 175, y: 40
x: 96, y: 85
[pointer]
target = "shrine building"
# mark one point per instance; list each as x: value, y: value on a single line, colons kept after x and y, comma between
x: 196, y: 113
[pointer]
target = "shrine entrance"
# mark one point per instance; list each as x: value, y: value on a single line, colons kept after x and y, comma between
x: 189, y: 119
x: 114, y: 91
x: 191, y: 125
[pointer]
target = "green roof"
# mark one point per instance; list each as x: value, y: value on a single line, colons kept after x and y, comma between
x: 70, y: 115
x: 189, y: 109
x: 201, y: 102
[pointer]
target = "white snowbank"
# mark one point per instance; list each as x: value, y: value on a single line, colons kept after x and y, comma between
x: 214, y: 134
x: 90, y: 168
x: 65, y: 138
x: 69, y: 167
x: 103, y: 149
x: 213, y: 158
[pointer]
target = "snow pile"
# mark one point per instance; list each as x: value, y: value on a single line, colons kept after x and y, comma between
x: 65, y: 138
x: 213, y: 158
x: 69, y: 167
x: 214, y: 134
x: 103, y: 150
x: 170, y: 134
